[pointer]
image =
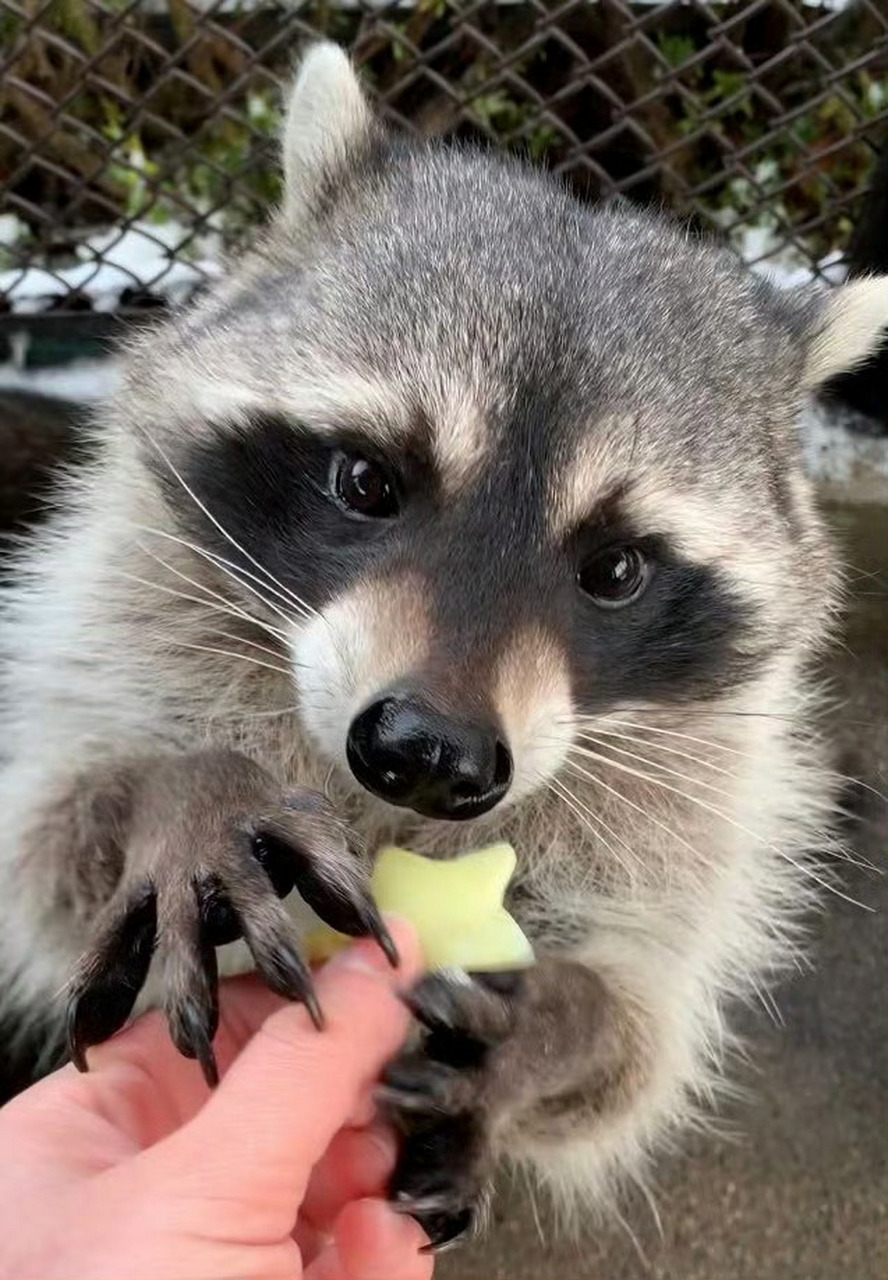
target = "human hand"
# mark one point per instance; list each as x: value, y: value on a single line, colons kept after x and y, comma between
x: 138, y: 1170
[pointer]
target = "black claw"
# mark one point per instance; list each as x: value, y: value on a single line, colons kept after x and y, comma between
x: 315, y: 1012
x: 444, y: 1227
x: 445, y: 1230
x: 193, y: 1038
x: 504, y: 982
x: 445, y: 1042
x: 341, y: 902
x: 94, y: 1016
x: 193, y: 1018
x: 457, y: 1049
x: 210, y: 1069
x: 276, y: 859
x: 267, y: 930
x: 436, y: 1153
x: 287, y: 974
x: 378, y: 930
x: 436, y: 1179
x: 344, y: 907
x: 218, y: 919
x: 436, y: 1003
x: 459, y: 1016
x: 111, y: 978
x: 414, y: 1083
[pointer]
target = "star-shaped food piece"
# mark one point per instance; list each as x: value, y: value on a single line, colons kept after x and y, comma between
x: 455, y: 906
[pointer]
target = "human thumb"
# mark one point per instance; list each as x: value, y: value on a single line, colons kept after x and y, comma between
x: 293, y: 1087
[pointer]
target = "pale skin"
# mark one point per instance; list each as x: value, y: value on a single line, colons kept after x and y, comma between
x: 139, y: 1169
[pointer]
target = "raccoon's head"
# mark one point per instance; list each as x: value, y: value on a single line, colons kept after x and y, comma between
x: 505, y: 462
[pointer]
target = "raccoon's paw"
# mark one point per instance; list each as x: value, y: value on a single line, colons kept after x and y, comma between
x: 211, y: 851
x: 441, y: 1096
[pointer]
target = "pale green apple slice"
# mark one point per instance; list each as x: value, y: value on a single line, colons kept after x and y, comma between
x: 455, y: 906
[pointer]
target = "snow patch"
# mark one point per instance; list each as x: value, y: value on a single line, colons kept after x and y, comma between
x: 86, y: 381
x: 763, y: 247
x: 111, y: 261
x: 843, y: 455
x: 12, y: 230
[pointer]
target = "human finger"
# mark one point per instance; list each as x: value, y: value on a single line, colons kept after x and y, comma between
x: 373, y: 1242
x: 358, y: 1163
x: 286, y: 1096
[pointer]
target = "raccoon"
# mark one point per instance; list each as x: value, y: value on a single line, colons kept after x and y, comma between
x: 459, y: 511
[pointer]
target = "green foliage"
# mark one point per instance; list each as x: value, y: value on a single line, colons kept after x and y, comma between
x: 190, y: 122
x: 503, y: 115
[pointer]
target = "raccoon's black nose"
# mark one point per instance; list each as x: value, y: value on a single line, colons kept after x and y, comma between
x: 438, y: 766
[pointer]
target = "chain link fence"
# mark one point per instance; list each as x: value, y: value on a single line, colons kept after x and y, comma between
x: 137, y: 137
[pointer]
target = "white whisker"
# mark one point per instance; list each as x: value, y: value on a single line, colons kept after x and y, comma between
x: 224, y: 653
x: 229, y: 608
x: 233, y: 571
x: 767, y: 1001
x: 209, y: 515
x: 602, y: 730
x: 650, y: 728
x: 597, y: 818
x: 655, y: 764
x: 258, y: 715
x: 601, y: 727
x: 714, y: 713
x: 858, y: 782
x: 649, y: 817
x: 718, y: 813
x: 672, y: 751
x: 588, y: 817
x: 269, y: 604
x: 263, y: 648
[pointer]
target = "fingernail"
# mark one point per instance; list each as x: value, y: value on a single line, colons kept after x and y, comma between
x: 361, y: 957
x: 383, y: 1139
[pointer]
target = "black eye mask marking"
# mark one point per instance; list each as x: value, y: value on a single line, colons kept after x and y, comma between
x: 484, y: 554
x: 687, y: 633
x: 268, y: 485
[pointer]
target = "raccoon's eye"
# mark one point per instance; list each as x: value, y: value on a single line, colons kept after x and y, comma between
x: 364, y: 487
x: 616, y: 577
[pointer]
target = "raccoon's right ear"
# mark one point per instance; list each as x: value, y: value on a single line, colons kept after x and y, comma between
x: 327, y: 119
x: 848, y: 327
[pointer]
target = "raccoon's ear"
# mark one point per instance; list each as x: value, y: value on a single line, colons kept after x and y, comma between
x: 848, y: 327
x: 326, y: 119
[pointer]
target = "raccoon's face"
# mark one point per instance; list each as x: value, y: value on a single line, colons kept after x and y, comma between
x: 510, y: 463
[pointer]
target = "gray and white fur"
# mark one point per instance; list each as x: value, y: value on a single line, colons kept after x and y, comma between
x: 518, y: 480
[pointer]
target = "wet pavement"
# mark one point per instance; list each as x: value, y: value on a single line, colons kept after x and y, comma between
x: 801, y: 1193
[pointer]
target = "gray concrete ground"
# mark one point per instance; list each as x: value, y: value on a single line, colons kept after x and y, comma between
x: 803, y: 1193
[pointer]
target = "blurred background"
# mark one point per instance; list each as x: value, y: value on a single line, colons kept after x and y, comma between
x: 137, y: 150
x: 137, y: 136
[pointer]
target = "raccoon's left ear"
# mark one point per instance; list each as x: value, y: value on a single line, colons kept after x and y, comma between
x: 327, y: 120
x: 846, y: 328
